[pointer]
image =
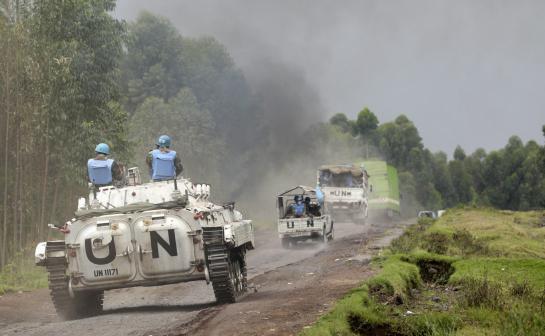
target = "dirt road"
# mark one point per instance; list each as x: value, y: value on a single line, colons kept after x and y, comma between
x: 293, y: 287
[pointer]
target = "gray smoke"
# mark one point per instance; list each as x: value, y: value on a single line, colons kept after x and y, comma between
x: 466, y: 72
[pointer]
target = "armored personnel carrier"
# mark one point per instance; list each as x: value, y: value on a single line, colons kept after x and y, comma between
x: 300, y: 217
x: 346, y: 190
x: 147, y: 234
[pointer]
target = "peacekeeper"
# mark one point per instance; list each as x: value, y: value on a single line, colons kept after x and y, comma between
x: 163, y: 162
x: 101, y: 170
x: 149, y: 156
x: 299, y: 206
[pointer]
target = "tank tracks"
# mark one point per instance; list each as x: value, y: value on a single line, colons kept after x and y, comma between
x: 82, y: 304
x: 226, y: 265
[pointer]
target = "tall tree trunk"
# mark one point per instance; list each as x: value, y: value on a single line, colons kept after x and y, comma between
x: 42, y: 223
x: 20, y: 203
x: 5, y: 205
x: 6, y: 151
x: 54, y: 203
x: 20, y: 108
x: 17, y: 178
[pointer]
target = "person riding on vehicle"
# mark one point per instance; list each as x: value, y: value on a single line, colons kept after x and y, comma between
x: 101, y: 170
x: 163, y: 162
x: 298, y: 206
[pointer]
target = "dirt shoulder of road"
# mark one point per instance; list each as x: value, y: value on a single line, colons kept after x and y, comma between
x: 294, y: 296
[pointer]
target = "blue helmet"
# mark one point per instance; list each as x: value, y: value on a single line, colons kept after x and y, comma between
x: 163, y: 141
x: 102, y: 148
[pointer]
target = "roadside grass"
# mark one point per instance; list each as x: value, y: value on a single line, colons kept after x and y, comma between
x: 472, y: 272
x: 21, y: 274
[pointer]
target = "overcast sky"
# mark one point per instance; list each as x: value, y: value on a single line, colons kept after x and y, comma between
x: 467, y: 72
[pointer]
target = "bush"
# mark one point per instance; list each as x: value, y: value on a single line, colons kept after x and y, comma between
x: 467, y: 244
x: 411, y: 238
x: 429, y: 324
x: 395, y: 281
x: 436, y: 242
x: 523, y: 320
x: 22, y: 274
x: 481, y: 292
x: 520, y: 289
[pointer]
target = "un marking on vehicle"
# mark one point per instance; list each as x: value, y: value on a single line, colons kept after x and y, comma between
x: 340, y: 193
x: 155, y: 241
x: 106, y: 272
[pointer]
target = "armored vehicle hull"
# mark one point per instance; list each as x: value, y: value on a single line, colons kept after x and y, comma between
x: 122, y: 242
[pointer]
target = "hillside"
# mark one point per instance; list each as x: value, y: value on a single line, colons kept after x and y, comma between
x: 471, y: 272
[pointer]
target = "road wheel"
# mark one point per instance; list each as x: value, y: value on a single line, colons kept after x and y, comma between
x: 229, y: 277
x: 238, y: 279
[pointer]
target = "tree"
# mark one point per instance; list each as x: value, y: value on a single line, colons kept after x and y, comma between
x: 459, y: 154
x: 191, y: 130
x: 366, y: 122
x: 461, y: 181
x: 58, y: 97
x: 442, y: 179
x: 341, y: 121
x: 152, y: 66
x: 397, y: 139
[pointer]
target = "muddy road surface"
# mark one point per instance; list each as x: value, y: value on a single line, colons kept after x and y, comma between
x: 289, y: 290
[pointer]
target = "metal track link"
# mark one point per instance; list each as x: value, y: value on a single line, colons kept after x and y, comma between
x: 58, y: 281
x: 222, y: 264
x: 67, y: 307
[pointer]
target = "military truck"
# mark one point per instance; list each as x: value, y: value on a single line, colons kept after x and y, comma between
x: 147, y: 234
x: 383, y: 180
x: 300, y: 217
x: 345, y: 188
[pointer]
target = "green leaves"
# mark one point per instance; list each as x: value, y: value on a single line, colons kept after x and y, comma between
x: 191, y: 128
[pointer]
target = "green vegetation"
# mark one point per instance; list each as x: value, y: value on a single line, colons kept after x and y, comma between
x: 511, y: 178
x: 21, y: 274
x: 472, y: 272
x: 58, y: 98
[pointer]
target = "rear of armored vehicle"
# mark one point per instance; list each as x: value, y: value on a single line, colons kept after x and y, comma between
x: 147, y: 248
x: 145, y: 244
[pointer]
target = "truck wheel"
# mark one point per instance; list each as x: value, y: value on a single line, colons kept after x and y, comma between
x: 325, y: 238
x: 331, y: 236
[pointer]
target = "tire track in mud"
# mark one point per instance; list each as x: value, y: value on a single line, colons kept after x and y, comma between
x: 334, y: 271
